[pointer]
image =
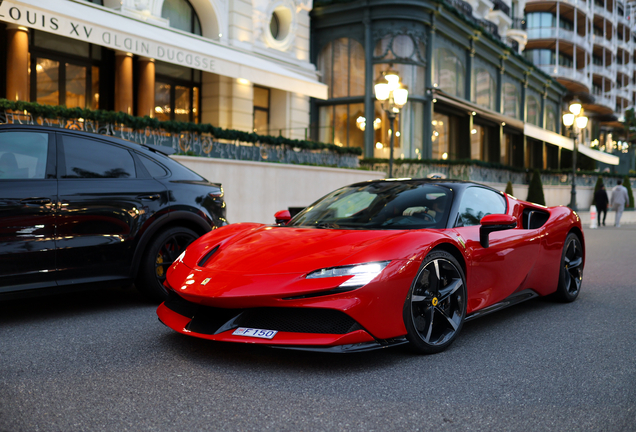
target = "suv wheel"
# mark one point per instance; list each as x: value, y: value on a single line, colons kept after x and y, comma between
x: 164, y: 248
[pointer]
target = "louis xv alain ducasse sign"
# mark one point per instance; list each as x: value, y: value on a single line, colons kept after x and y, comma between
x: 46, y: 20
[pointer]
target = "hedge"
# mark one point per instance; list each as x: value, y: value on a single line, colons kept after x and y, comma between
x: 138, y: 123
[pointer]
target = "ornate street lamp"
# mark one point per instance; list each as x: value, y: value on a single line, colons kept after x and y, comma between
x: 574, y: 117
x: 392, y: 96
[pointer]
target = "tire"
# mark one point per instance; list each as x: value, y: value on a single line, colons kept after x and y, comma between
x: 163, y: 249
x: 435, y: 306
x: 571, y: 270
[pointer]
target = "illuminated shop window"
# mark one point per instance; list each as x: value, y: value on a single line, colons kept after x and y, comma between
x: 63, y: 71
x: 449, y: 72
x: 261, y: 110
x: 511, y: 100
x: 177, y: 93
x: 341, y: 65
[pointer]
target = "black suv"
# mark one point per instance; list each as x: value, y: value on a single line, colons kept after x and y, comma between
x: 78, y: 208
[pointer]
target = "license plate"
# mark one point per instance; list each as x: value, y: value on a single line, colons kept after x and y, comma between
x: 257, y: 333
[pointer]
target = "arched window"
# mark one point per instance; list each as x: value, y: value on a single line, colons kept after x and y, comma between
x: 534, y: 110
x: 550, y: 118
x: 181, y: 15
x: 448, y: 73
x: 341, y: 64
x: 511, y: 100
x: 485, y: 88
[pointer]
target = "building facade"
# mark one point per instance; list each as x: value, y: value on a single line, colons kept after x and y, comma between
x: 588, y: 47
x: 473, y: 92
x: 224, y: 62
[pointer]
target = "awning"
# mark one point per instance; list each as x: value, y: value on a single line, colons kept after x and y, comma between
x: 124, y: 33
x: 548, y: 136
x: 599, y: 155
x: 567, y: 143
x: 479, y: 111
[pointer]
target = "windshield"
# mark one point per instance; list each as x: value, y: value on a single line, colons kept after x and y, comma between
x: 384, y: 205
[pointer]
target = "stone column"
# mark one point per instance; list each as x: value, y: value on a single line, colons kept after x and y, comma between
x: 123, y: 82
x: 17, y: 63
x: 146, y: 87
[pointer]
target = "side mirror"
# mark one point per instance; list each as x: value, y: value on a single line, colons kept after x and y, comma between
x: 495, y: 222
x: 282, y: 217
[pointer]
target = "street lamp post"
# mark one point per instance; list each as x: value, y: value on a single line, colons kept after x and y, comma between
x: 392, y: 96
x: 574, y: 117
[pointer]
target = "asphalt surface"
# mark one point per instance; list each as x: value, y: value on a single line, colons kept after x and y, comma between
x: 100, y: 361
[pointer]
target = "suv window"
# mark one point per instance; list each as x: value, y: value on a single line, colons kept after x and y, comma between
x: 86, y: 158
x: 479, y: 202
x: 23, y: 155
x: 154, y: 169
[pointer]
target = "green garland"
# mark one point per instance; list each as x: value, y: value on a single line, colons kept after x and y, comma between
x: 138, y: 123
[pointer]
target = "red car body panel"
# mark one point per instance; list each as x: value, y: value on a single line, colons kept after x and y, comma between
x: 261, y: 266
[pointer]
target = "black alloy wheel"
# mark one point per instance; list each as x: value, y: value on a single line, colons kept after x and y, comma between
x: 571, y: 274
x: 435, y: 307
x: 160, y: 254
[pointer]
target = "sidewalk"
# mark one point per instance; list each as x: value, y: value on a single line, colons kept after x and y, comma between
x: 629, y: 217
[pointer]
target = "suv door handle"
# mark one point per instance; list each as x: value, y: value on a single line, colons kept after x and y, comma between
x: 39, y: 201
x: 151, y: 197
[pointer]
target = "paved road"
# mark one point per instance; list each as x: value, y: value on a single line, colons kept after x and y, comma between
x: 101, y: 361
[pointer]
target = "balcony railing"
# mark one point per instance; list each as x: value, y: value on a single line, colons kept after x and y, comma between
x: 559, y: 33
x: 602, y: 41
x: 606, y: 99
x: 580, y: 4
x: 518, y: 24
x: 624, y: 69
x: 463, y: 7
x: 623, y: 44
x: 567, y: 72
x: 490, y: 27
x: 598, y: 10
x: 603, y: 71
x: 513, y: 44
x: 500, y: 5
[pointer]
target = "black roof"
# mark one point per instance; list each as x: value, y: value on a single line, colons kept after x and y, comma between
x: 134, y: 145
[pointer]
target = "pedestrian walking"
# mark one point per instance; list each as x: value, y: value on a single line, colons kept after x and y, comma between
x: 601, y: 200
x: 619, y: 200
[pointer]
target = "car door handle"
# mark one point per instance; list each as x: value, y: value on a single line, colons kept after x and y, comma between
x: 151, y: 197
x: 39, y: 201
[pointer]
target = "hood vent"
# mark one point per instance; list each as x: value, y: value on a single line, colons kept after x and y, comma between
x: 207, y: 256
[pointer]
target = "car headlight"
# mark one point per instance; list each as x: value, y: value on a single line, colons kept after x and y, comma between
x: 362, y: 273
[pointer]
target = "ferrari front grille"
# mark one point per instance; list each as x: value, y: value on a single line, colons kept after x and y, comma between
x: 212, y: 320
x: 299, y: 320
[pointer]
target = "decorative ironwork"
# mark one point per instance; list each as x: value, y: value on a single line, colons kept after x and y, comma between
x: 513, y: 44
x: 191, y: 143
x: 490, y: 27
x: 500, y: 5
x: 462, y: 7
x: 417, y: 37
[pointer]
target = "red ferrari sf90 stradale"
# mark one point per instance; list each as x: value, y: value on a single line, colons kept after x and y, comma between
x: 375, y: 264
